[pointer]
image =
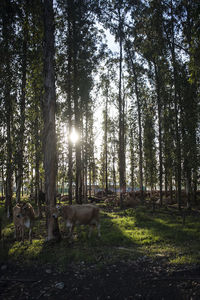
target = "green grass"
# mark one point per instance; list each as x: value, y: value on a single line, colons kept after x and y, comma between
x: 126, y: 234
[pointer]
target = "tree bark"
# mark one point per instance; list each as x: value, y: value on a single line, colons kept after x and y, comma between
x: 49, y: 120
x: 139, y: 126
x: 69, y: 99
x: 159, y: 105
x: 106, y: 142
x: 8, y: 113
x: 78, y: 191
x: 176, y: 112
x: 122, y: 179
x: 22, y: 111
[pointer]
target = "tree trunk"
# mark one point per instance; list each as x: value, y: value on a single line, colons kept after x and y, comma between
x: 86, y: 157
x: 78, y: 192
x: 188, y: 187
x: 132, y: 160
x: 37, y: 160
x: 122, y: 179
x: 159, y: 105
x: 106, y: 143
x: 22, y: 110
x: 8, y: 114
x: 49, y: 120
x: 139, y: 126
x: 176, y: 112
x: 69, y: 101
x: 2, y: 182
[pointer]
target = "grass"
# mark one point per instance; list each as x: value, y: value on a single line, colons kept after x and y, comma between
x: 126, y: 234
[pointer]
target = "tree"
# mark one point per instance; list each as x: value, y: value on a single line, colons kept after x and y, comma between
x: 115, y: 10
x: 80, y: 38
x: 8, y: 11
x: 149, y: 146
x: 49, y: 119
x: 20, y: 150
x: 135, y: 71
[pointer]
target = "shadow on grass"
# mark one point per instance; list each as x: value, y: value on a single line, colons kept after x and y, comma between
x: 168, y: 231
x: 109, y: 247
x: 125, y: 234
x: 168, y: 227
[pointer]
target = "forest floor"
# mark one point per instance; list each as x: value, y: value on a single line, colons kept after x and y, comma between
x: 140, y: 255
x: 143, y: 278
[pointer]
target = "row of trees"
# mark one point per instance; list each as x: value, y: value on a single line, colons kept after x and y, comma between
x: 149, y: 91
x: 160, y: 41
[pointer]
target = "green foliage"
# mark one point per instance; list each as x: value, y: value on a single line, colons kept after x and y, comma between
x: 126, y: 234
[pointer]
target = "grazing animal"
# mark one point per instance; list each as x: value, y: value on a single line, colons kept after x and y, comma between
x: 17, y: 221
x: 86, y: 214
x: 23, y: 216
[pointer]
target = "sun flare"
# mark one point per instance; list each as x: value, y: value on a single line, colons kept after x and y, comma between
x: 74, y: 136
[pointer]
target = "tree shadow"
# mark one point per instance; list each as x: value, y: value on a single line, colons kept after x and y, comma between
x: 109, y: 246
x: 168, y: 228
x: 124, y: 235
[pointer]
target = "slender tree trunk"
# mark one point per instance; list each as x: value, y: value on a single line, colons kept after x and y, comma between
x: 22, y: 111
x: 188, y: 187
x: 132, y: 161
x: 140, y: 141
x: 159, y: 105
x: 2, y: 182
x: 195, y: 187
x: 86, y: 158
x: 69, y: 101
x: 37, y: 158
x: 8, y: 202
x: 106, y: 142
x: 122, y: 180
x: 78, y: 192
x: 176, y: 112
x: 113, y: 169
x: 139, y: 126
x: 70, y: 172
x: 90, y: 178
x: 49, y: 119
x: 93, y: 170
x: 8, y: 114
x: 32, y: 180
x: 171, y: 190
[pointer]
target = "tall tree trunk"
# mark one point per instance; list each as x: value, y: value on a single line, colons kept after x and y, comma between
x: 122, y: 179
x: 2, y: 182
x: 8, y: 202
x: 106, y: 142
x: 8, y: 114
x: 132, y: 166
x: 159, y: 105
x: 22, y: 112
x: 85, y: 162
x: 90, y: 177
x: 139, y: 125
x: 78, y: 192
x: 69, y: 100
x: 49, y: 120
x: 37, y: 158
x: 176, y: 111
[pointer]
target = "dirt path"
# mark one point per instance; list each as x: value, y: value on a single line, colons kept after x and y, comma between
x: 140, y: 279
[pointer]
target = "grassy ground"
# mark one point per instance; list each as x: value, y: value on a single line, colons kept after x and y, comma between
x: 126, y: 235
